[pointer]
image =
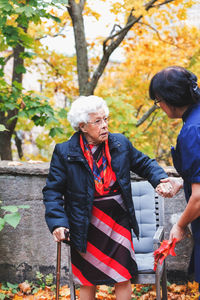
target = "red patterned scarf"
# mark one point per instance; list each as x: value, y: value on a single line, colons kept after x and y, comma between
x: 101, y: 169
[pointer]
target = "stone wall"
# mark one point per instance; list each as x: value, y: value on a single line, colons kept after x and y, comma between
x: 30, y: 247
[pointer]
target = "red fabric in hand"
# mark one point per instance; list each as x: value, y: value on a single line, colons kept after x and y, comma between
x: 163, y: 251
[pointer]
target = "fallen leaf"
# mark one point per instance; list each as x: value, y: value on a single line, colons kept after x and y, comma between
x: 25, y: 287
x: 65, y: 291
x: 177, y: 288
x: 17, y: 297
x: 193, y: 285
x: 189, y: 291
x: 145, y: 297
x: 14, y: 163
x: 34, y: 161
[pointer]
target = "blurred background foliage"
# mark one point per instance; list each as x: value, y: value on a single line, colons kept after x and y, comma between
x: 38, y: 83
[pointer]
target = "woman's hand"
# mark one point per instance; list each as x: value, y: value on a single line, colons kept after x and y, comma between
x: 165, y: 189
x: 169, y: 187
x: 177, y: 232
x: 59, y: 234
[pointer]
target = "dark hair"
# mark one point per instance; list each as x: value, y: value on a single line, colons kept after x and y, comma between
x: 176, y: 86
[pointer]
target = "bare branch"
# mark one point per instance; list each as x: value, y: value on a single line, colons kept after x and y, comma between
x: 82, y: 4
x: 146, y: 115
x: 49, y: 35
x: 8, y: 58
x: 109, y: 50
x: 54, y: 35
x: 53, y: 67
x: 163, y: 3
x: 48, y: 63
x: 150, y: 4
x: 147, y: 7
x: 158, y: 35
x: 149, y: 125
x: 115, y: 40
x: 113, y: 34
x: 87, y: 86
x: 121, y: 31
x: 138, y: 110
x: 114, y: 28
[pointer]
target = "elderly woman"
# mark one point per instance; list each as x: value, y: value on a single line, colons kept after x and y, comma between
x: 88, y: 194
x: 175, y: 90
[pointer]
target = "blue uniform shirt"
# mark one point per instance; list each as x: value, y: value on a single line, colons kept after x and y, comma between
x: 186, y: 159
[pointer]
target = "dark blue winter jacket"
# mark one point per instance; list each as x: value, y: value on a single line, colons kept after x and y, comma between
x: 69, y: 190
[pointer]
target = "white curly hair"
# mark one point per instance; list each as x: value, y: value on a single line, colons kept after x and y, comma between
x: 82, y: 107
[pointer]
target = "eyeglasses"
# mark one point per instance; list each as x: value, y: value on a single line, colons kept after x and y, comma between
x: 156, y: 102
x: 99, y: 122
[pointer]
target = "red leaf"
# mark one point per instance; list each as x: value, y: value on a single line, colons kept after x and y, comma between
x: 163, y: 251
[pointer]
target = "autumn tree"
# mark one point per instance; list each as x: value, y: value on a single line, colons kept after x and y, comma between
x: 143, y: 27
x: 24, y: 13
x: 146, y: 23
x: 176, y: 44
x: 133, y: 9
x: 15, y: 19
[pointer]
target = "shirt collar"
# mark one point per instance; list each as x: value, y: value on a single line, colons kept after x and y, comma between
x: 188, y: 110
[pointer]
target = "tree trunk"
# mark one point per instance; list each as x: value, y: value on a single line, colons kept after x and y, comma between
x: 5, y: 145
x: 88, y: 82
x: 5, y: 136
x: 18, y: 143
x: 75, y: 11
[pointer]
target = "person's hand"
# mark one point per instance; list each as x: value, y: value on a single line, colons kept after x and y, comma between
x: 59, y: 234
x: 177, y: 232
x: 177, y: 183
x: 165, y: 189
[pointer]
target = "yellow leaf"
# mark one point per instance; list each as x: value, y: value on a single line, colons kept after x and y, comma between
x: 19, y: 100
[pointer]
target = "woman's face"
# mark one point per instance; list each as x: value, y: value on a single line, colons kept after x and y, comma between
x: 96, y: 129
x: 171, y: 111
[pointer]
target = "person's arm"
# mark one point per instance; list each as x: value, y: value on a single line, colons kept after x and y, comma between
x: 191, y: 212
x: 148, y: 168
x: 53, y: 193
x: 145, y: 167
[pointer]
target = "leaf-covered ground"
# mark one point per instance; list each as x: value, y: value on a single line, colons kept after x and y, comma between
x: 144, y: 292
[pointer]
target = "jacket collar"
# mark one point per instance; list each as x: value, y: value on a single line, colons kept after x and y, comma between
x: 113, y: 142
x: 74, y: 144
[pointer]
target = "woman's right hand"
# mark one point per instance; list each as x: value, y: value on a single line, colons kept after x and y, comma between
x: 177, y: 232
x: 59, y: 234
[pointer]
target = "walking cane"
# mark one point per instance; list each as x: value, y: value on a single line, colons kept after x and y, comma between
x: 58, y: 269
x: 71, y: 284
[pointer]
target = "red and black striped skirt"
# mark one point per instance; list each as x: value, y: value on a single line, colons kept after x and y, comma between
x: 110, y: 256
